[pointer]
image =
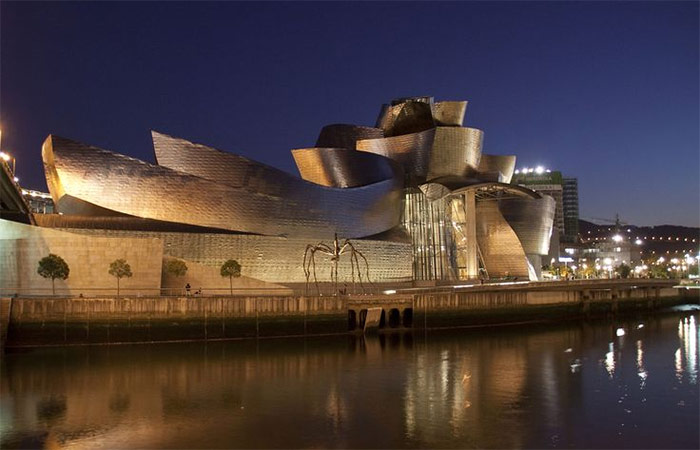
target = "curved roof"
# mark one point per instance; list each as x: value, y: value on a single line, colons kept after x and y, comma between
x: 209, y: 188
x: 340, y: 167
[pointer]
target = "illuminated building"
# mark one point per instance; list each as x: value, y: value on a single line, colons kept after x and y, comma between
x: 414, y: 192
x: 564, y: 191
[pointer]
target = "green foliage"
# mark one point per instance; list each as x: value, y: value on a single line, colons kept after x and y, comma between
x: 120, y: 268
x: 53, y: 266
x: 176, y: 267
x: 231, y: 268
x: 623, y: 270
x: 658, y: 271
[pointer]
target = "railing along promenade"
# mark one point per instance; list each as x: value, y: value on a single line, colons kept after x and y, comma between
x: 328, y: 289
x: 40, y: 319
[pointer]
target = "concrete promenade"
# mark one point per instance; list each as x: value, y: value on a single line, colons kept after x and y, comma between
x: 111, y: 320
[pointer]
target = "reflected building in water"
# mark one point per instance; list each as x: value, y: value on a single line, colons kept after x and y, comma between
x: 517, y: 388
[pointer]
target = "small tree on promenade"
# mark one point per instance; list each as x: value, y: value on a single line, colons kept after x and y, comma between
x: 176, y: 268
x: 231, y: 269
x: 119, y: 269
x: 53, y: 266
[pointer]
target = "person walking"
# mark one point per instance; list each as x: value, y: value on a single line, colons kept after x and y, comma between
x: 187, y: 289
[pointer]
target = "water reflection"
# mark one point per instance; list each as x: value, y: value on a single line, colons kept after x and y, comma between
x: 686, y: 357
x: 535, y: 386
x: 640, y: 364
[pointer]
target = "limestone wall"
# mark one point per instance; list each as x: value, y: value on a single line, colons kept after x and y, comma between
x: 271, y: 258
x: 88, y: 257
x: 209, y: 280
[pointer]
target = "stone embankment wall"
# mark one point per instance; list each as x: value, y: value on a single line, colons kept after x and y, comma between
x: 66, y: 321
x: 88, y: 257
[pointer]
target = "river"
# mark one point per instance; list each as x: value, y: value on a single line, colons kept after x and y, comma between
x: 626, y: 383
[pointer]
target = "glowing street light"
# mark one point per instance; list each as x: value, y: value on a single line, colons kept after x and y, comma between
x: 617, y: 238
x: 5, y: 157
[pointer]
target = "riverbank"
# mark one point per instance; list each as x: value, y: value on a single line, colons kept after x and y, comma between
x: 29, y: 322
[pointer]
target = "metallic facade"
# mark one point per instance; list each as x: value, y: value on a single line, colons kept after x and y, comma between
x: 343, y: 168
x: 236, y: 202
x: 345, y: 135
x: 449, y: 114
x: 502, y: 166
x: 416, y: 190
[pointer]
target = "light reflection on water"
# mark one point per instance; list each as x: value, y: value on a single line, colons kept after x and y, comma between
x: 575, y: 385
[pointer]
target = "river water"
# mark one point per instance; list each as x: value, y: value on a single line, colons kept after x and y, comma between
x: 580, y: 385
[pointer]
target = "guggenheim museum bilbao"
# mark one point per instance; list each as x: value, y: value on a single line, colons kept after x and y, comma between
x: 414, y: 194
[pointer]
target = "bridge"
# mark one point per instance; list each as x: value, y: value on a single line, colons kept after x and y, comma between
x: 12, y: 204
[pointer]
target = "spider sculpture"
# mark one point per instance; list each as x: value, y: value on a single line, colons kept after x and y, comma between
x: 334, y: 252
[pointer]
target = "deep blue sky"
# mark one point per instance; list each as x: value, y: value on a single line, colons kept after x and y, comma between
x: 606, y: 92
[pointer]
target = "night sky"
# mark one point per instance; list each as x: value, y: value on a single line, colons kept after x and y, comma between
x: 606, y: 92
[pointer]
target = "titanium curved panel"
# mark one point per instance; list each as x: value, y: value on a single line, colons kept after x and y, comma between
x: 412, y: 151
x: 345, y: 136
x: 505, y: 164
x: 407, y: 117
x: 501, y: 251
x: 130, y: 186
x: 456, y: 151
x: 532, y: 221
x: 343, y: 168
x: 218, y: 166
x: 449, y: 114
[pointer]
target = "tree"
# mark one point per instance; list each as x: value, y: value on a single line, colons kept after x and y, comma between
x: 231, y: 269
x: 623, y: 270
x: 53, y: 266
x: 176, y: 267
x: 119, y: 268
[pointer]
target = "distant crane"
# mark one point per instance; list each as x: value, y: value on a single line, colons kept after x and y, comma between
x: 616, y: 221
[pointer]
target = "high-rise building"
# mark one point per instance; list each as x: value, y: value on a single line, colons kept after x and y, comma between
x: 564, y: 190
x: 545, y: 182
x: 570, y: 200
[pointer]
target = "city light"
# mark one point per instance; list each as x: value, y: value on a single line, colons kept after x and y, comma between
x: 638, y: 242
x: 617, y: 238
x: 4, y: 156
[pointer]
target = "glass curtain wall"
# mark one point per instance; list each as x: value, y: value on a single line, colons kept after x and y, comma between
x: 438, y: 235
